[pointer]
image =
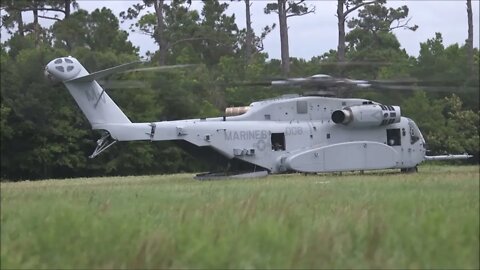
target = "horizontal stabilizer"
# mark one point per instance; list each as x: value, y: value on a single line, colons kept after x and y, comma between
x: 103, y: 73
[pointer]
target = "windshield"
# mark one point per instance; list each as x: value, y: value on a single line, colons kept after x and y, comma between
x: 415, y: 134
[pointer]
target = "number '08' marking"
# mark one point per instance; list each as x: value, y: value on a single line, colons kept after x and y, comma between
x: 293, y: 131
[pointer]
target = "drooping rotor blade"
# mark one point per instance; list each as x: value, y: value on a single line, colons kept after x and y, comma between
x: 441, y: 83
x: 123, y: 84
x: 354, y: 63
x: 136, y: 84
x: 159, y: 68
x: 291, y: 82
x: 416, y: 85
x: 106, y: 72
x: 315, y: 80
x: 452, y: 89
x: 265, y: 84
x: 322, y: 82
x: 410, y: 81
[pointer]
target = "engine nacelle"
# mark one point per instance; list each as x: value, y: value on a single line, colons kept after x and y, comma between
x: 371, y: 115
x: 233, y: 111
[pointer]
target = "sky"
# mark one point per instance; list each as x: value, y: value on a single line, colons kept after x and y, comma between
x: 314, y: 34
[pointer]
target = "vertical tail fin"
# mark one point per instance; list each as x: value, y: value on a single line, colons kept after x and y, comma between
x: 92, y: 99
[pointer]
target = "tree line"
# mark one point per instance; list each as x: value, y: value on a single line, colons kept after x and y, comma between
x: 44, y: 134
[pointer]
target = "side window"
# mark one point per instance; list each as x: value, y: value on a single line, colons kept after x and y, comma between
x: 278, y: 141
x: 393, y: 137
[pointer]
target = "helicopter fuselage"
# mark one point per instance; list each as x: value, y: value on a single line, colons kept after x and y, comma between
x: 296, y: 134
x: 290, y: 133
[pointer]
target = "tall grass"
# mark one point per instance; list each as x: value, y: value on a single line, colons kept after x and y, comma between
x: 374, y: 220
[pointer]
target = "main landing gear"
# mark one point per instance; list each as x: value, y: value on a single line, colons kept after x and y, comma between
x: 409, y: 170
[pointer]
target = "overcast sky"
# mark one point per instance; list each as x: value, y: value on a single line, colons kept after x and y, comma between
x: 314, y: 34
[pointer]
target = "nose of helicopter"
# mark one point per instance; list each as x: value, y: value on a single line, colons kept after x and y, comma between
x: 62, y: 69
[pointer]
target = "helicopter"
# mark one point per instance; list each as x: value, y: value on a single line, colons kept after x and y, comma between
x: 313, y: 133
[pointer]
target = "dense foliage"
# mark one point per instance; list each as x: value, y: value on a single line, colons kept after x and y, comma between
x: 44, y: 134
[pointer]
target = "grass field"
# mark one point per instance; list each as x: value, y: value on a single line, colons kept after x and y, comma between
x: 424, y: 220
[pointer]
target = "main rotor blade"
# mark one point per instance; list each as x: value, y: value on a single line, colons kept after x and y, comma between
x: 451, y: 89
x: 160, y: 68
x: 326, y: 82
x: 441, y: 83
x: 123, y: 84
x: 354, y: 63
x: 265, y: 84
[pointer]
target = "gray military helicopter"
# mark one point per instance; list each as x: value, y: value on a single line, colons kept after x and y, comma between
x: 309, y: 134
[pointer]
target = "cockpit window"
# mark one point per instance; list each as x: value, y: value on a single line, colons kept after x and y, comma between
x: 60, y: 68
x: 68, y: 61
x: 58, y: 61
x: 415, y: 134
x: 69, y: 68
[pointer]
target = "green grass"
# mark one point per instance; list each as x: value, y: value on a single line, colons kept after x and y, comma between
x: 424, y: 220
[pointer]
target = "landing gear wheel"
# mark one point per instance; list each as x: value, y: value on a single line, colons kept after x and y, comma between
x: 409, y: 170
